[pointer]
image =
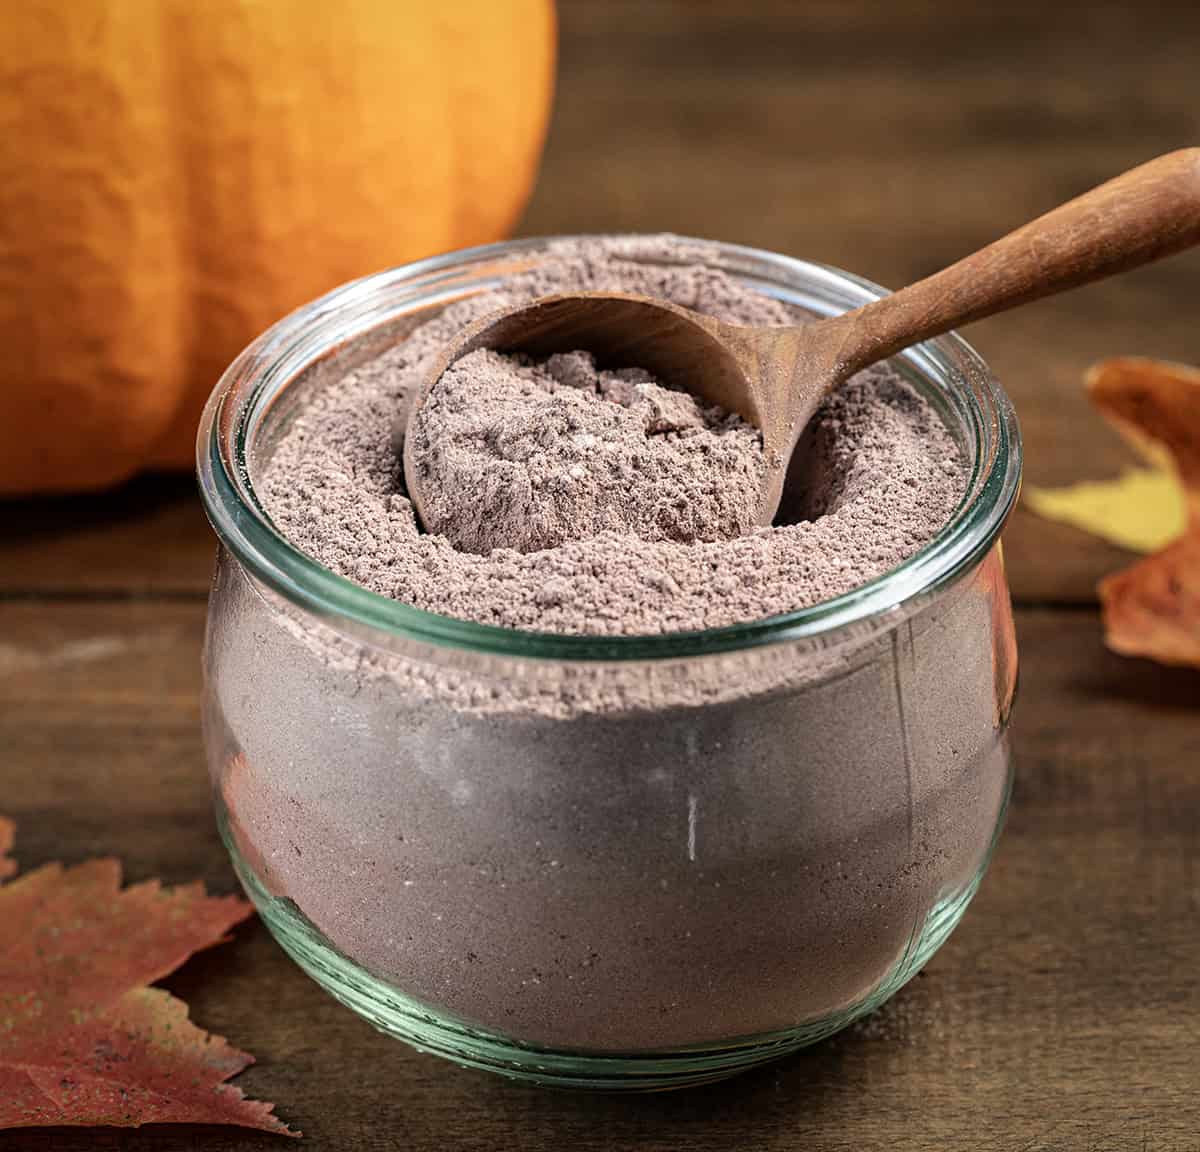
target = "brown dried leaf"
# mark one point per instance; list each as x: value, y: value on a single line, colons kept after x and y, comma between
x: 1153, y: 608
x: 8, y: 866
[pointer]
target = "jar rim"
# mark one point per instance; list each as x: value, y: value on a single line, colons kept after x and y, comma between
x: 265, y: 368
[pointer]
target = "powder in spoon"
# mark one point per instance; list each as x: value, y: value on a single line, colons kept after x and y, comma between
x: 524, y: 455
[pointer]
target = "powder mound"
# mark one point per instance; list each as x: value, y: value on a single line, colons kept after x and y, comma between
x: 529, y: 455
x: 878, y: 474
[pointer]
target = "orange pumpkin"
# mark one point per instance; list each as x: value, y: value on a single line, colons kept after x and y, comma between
x: 174, y: 176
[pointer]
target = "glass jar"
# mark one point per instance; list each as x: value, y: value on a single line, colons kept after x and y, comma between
x: 632, y: 862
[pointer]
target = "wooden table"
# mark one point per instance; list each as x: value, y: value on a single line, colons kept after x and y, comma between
x: 887, y: 138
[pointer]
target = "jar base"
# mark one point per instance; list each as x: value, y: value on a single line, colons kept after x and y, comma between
x: 417, y: 1025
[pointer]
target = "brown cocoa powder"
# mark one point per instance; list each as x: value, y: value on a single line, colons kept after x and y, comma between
x: 879, y: 475
x: 626, y: 857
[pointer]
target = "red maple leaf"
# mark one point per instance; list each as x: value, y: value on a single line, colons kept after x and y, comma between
x: 83, y: 1041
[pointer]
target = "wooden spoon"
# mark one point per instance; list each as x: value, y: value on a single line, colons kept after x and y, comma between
x: 777, y: 377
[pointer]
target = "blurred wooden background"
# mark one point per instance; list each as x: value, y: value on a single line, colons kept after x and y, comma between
x: 887, y: 138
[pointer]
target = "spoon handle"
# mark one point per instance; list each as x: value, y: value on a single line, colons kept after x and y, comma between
x: 1148, y: 212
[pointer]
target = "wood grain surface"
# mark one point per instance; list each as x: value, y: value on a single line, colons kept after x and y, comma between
x: 890, y: 139
x: 1063, y: 1014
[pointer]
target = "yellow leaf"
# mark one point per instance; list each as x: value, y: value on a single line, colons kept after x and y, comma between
x: 1143, y: 510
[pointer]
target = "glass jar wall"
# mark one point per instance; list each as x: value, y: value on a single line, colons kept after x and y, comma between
x: 617, y: 862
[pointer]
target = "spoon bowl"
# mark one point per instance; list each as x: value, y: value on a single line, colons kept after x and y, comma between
x: 681, y: 348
